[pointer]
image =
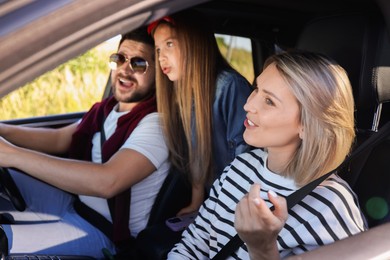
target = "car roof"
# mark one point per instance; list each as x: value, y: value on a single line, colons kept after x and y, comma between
x: 44, y: 34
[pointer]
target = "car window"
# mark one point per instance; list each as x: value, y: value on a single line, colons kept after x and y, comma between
x: 71, y: 87
x: 77, y: 84
x: 238, y: 52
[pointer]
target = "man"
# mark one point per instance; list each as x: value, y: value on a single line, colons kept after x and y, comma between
x: 128, y: 152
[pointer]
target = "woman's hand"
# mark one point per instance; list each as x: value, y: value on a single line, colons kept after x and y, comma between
x: 257, y: 225
x: 187, y: 210
x: 196, y: 201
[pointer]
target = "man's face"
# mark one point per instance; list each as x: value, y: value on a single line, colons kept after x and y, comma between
x: 131, y: 87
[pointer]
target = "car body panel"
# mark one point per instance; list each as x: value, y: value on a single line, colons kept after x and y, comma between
x: 373, y: 244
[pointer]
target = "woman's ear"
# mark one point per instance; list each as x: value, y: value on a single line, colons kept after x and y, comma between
x: 301, y: 132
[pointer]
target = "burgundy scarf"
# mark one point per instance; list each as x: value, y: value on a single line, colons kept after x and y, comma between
x: 81, y: 148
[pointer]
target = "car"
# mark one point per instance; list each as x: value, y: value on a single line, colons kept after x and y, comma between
x: 38, y: 36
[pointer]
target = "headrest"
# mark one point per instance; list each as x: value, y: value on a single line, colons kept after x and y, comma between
x: 348, y: 40
x: 381, y: 75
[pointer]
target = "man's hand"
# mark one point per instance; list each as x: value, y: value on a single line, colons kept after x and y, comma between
x: 6, y: 149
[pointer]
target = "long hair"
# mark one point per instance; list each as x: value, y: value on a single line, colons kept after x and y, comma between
x: 186, y: 105
x: 324, y: 94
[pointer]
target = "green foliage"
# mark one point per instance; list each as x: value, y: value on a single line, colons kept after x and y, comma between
x: 76, y: 85
x: 73, y: 86
x: 240, y: 59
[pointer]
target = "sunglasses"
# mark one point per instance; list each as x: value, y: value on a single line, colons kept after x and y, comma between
x: 137, y: 64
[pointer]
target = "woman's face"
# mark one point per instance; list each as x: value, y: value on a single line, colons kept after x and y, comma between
x: 168, y: 52
x: 273, y: 120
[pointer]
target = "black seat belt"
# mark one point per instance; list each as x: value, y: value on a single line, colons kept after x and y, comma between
x: 95, y: 218
x: 120, y: 225
x: 298, y: 195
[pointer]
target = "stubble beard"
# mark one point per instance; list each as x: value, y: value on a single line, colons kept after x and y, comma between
x: 133, y: 97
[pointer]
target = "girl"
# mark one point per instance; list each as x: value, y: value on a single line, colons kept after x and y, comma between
x: 200, y: 97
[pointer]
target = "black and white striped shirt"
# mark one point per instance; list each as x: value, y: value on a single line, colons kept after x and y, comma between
x: 327, y: 214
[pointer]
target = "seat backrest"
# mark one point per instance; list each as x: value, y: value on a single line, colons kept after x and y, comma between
x: 361, y: 45
x: 174, y: 195
x: 156, y: 240
x: 347, y: 39
x: 371, y: 171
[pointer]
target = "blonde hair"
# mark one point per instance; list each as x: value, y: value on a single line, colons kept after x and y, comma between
x: 186, y: 105
x: 324, y: 94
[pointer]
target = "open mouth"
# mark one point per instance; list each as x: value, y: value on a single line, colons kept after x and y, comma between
x: 250, y: 123
x: 125, y: 82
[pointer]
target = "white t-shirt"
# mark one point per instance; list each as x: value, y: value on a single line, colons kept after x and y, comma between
x: 147, y: 139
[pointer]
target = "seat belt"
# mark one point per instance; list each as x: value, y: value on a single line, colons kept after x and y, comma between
x: 119, y: 207
x: 298, y: 195
x: 118, y: 231
x: 357, y: 164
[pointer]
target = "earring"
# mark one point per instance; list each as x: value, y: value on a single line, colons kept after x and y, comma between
x: 301, y: 134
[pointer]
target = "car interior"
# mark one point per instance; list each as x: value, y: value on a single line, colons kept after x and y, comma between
x: 354, y: 33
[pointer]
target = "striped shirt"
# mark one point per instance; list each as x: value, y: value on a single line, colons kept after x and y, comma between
x: 329, y: 213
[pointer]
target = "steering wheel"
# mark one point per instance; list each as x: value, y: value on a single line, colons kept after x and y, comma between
x: 11, y: 190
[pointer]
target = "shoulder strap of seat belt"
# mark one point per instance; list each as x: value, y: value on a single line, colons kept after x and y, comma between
x: 298, y: 195
x: 119, y: 206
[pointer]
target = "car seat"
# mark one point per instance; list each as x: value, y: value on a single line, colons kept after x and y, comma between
x: 371, y: 172
x: 156, y: 240
x: 360, y: 44
x: 347, y: 39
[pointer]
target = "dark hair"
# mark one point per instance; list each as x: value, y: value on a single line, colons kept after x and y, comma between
x: 138, y: 35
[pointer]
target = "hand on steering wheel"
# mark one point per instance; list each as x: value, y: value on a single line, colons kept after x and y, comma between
x: 11, y: 190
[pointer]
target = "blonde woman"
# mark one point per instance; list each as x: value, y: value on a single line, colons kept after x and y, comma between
x: 301, y: 117
x: 200, y: 97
